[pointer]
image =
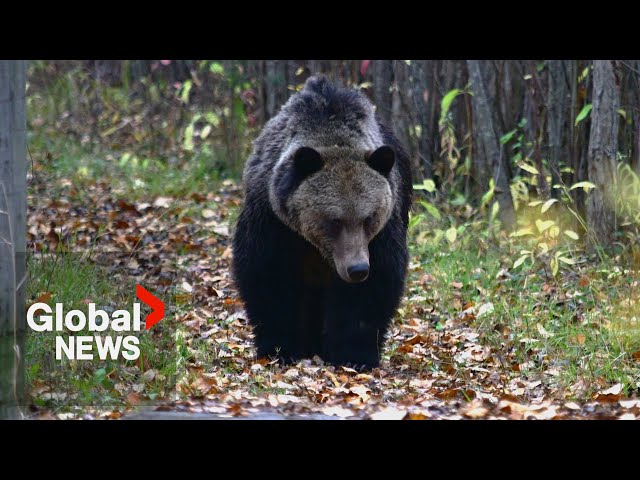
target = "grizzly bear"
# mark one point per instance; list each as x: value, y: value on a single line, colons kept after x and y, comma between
x: 319, y: 249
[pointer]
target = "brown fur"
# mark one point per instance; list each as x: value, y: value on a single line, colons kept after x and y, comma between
x: 341, y: 208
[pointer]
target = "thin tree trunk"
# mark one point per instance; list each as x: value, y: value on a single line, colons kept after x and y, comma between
x: 603, y: 147
x: 13, y: 207
x: 276, y: 86
x: 487, y: 140
x: 422, y: 92
x: 382, y: 80
x: 535, y: 91
x: 402, y: 116
x: 557, y: 107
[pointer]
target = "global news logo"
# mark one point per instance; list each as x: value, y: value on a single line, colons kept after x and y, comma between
x: 85, y: 347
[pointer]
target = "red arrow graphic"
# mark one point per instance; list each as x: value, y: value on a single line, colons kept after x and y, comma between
x: 155, y: 303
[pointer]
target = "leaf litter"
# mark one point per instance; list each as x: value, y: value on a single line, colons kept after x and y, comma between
x: 434, y: 366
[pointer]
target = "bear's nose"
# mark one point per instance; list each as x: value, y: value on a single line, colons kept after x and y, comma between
x: 359, y: 272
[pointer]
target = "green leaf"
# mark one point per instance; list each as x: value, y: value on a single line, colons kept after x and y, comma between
x: 583, y: 113
x: 584, y: 185
x: 184, y: 93
x: 571, y: 234
x: 188, y: 138
x: 520, y: 261
x: 554, y: 266
x: 216, y: 67
x: 428, y: 185
x: 507, y: 136
x: 623, y: 113
x: 451, y: 234
x: 535, y: 203
x: 584, y: 73
x: 415, y: 220
x: 528, y: 168
x: 433, y: 211
x: 447, y: 100
x: 212, y: 118
x: 495, y: 208
x: 547, y: 205
x: 486, y: 198
x: 566, y: 260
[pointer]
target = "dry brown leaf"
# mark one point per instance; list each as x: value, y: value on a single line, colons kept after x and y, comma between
x: 614, y: 390
x: 388, y: 413
x: 416, y: 416
x: 362, y: 392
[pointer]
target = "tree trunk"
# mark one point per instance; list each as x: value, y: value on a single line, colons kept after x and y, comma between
x: 487, y: 144
x: 603, y: 147
x: 402, y: 116
x: 557, y: 107
x: 276, y: 86
x: 422, y: 92
x: 382, y: 79
x: 13, y: 207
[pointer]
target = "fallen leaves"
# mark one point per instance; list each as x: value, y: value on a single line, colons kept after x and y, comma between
x: 436, y: 365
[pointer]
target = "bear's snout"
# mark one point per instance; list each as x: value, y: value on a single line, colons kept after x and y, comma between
x: 358, y: 272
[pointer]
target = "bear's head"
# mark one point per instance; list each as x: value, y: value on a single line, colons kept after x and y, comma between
x: 338, y: 199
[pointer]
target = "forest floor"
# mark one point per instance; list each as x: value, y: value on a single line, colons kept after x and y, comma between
x: 474, y: 337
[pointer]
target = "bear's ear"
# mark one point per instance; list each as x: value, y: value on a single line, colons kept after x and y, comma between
x: 306, y: 161
x: 382, y: 160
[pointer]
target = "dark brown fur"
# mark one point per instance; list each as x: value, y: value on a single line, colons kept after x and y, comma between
x: 327, y: 188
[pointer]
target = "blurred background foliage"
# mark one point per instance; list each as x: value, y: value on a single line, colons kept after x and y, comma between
x: 493, y: 138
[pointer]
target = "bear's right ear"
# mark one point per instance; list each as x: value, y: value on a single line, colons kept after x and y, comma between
x: 306, y: 161
x: 382, y: 160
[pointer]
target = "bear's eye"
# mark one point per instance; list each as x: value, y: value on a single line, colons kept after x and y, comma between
x: 333, y: 226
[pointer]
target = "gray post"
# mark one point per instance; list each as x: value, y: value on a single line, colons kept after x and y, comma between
x: 13, y: 210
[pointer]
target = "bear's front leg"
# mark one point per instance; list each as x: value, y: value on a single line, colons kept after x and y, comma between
x: 357, y: 316
x: 356, y: 322
x: 275, y: 317
x: 353, y: 343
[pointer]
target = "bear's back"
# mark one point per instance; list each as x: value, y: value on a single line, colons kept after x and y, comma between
x: 321, y: 115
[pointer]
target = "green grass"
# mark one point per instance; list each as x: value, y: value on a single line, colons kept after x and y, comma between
x: 581, y: 325
x: 130, y: 176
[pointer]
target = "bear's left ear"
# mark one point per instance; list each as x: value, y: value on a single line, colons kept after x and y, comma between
x: 306, y: 161
x: 382, y: 160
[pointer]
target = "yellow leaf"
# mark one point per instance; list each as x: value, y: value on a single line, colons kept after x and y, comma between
x: 548, y: 204
x: 571, y: 234
x: 522, y: 232
x: 554, y: 266
x: 584, y: 185
x: 520, y: 261
x: 451, y: 234
x: 544, y: 224
x: 528, y: 168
